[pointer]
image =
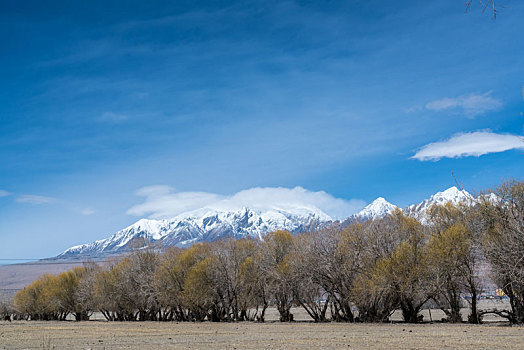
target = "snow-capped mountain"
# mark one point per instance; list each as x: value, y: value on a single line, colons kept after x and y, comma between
x: 377, y: 209
x: 380, y: 207
x: 207, y: 225
x: 452, y: 195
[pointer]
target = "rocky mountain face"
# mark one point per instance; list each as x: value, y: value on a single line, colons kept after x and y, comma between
x: 207, y: 225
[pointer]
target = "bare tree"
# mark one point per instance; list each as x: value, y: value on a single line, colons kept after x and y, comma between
x: 307, y: 277
x: 504, y: 244
x: 274, y: 261
x: 254, y: 292
x: 490, y: 5
x: 7, y: 309
x: 376, y: 303
x: 169, y: 282
x: 398, y: 274
x: 455, y: 253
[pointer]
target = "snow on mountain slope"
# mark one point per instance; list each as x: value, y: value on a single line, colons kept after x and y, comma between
x: 205, y: 225
x: 452, y: 195
x: 381, y: 207
x: 211, y: 224
x: 377, y: 209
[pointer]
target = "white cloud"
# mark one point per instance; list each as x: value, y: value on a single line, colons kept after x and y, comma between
x: 469, y: 144
x: 4, y: 193
x: 471, y: 104
x: 164, y: 202
x: 32, y: 199
x: 87, y: 211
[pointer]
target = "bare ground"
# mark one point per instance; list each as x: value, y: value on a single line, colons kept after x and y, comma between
x: 250, y: 335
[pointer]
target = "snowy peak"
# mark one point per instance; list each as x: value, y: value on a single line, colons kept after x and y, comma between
x: 211, y: 224
x: 152, y: 227
x: 379, y: 208
x: 206, y: 225
x: 451, y: 195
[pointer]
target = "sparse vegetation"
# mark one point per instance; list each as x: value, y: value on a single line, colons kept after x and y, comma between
x: 251, y: 335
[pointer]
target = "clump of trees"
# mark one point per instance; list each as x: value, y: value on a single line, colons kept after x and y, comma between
x: 504, y: 244
x: 54, y: 297
x: 6, y: 308
x: 455, y: 255
x: 345, y: 273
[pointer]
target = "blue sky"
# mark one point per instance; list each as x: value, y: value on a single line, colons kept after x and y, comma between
x: 359, y: 99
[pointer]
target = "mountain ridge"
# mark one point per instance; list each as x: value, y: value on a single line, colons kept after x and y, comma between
x: 208, y: 224
x: 188, y: 228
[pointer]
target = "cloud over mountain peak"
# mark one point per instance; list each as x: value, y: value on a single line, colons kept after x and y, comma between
x: 163, y: 202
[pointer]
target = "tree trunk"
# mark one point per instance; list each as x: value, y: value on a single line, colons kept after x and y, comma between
x: 409, y: 312
x: 474, y: 315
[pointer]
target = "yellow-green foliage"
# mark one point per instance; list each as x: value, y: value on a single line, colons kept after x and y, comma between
x: 198, y: 287
x: 449, y: 250
x: 50, y: 297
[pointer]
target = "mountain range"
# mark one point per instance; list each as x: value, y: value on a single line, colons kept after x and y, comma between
x: 207, y: 225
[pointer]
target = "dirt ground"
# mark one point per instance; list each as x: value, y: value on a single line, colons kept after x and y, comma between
x: 250, y: 335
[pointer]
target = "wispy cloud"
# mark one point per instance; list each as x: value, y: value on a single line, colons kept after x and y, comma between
x: 165, y: 202
x: 4, y: 193
x: 469, y: 144
x: 34, y: 199
x: 471, y: 105
x: 87, y: 211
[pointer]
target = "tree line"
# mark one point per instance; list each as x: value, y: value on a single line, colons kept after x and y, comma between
x: 360, y: 272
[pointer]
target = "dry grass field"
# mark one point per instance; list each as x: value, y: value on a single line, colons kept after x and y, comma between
x: 248, y: 335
